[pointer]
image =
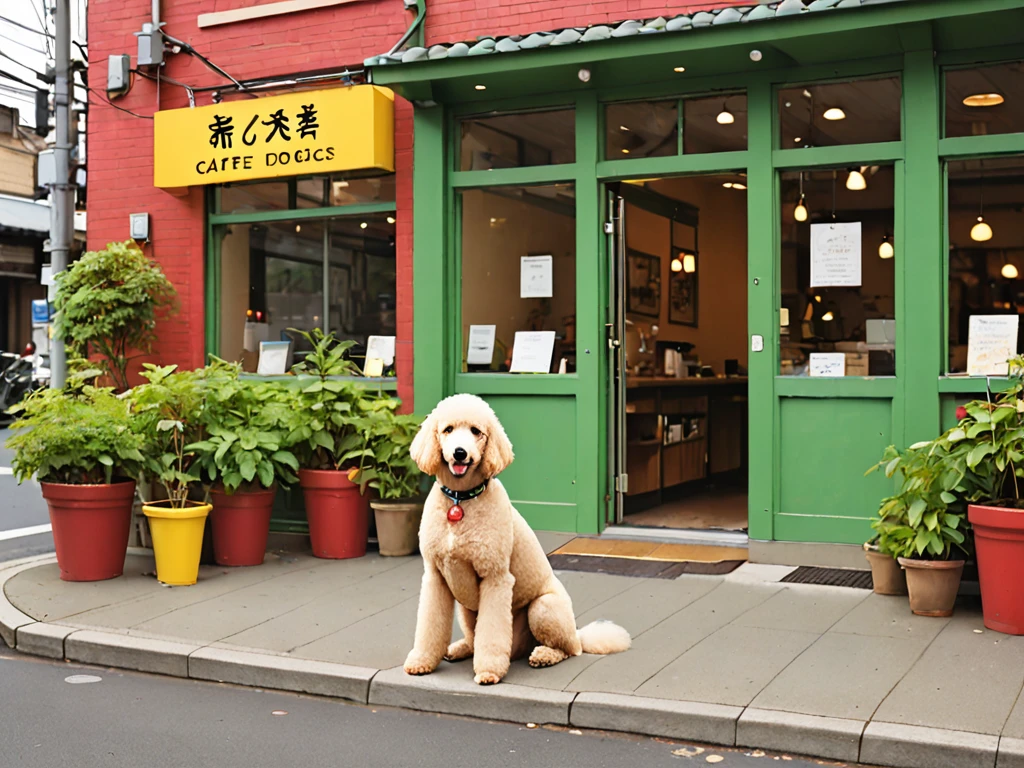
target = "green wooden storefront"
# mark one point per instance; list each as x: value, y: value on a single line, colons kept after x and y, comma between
x: 810, y: 440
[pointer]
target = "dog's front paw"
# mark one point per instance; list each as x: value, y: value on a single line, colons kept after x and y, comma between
x: 459, y: 650
x: 487, y: 678
x: 417, y: 664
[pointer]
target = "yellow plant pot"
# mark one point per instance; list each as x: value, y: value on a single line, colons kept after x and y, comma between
x: 177, y: 540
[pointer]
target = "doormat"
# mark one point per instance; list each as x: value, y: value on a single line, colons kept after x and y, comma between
x: 643, y: 569
x: 833, y: 577
x: 650, y: 550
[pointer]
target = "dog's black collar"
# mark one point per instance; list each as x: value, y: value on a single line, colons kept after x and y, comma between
x: 458, y: 496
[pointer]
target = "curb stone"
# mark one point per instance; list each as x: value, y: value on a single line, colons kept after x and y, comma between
x: 1011, y: 753
x: 11, y: 619
x: 835, y: 738
x: 451, y: 690
x: 914, y: 746
x: 692, y: 721
x: 106, y: 649
x: 42, y: 639
x: 284, y: 673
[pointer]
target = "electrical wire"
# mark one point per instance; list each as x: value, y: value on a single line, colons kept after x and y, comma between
x: 25, y: 66
x: 23, y: 45
x: 17, y: 79
x: 190, y: 50
x: 107, y: 101
x: 27, y: 29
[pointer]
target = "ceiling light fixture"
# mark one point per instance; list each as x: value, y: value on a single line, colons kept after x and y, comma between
x: 689, y: 263
x: 676, y: 265
x: 298, y: 227
x: 625, y: 151
x: 885, y: 249
x: 855, y: 181
x: 737, y: 185
x: 800, y: 212
x: 363, y: 225
x: 828, y: 317
x: 679, y: 69
x: 623, y: 128
x: 480, y: 87
x: 391, y: 219
x: 727, y: 184
x: 984, y: 100
x: 797, y: 140
x: 981, y: 231
x: 1009, y: 271
x: 725, y: 117
x: 834, y: 113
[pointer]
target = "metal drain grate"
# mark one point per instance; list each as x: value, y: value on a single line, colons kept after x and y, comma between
x: 833, y: 577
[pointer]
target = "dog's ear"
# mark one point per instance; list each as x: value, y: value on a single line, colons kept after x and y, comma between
x: 426, y: 449
x: 498, y: 451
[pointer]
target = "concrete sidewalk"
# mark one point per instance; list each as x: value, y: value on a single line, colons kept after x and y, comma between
x: 736, y: 660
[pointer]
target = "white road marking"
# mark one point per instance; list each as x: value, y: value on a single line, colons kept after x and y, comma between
x: 80, y: 679
x: 6, y: 471
x: 32, y: 530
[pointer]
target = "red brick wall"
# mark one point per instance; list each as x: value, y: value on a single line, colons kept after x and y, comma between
x: 120, y: 146
x: 454, y: 20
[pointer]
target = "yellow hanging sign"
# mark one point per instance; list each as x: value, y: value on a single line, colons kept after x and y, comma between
x: 298, y: 134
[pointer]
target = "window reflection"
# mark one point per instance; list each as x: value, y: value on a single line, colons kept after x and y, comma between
x: 832, y: 114
x: 715, y: 124
x: 517, y: 140
x: 983, y: 101
x: 641, y: 129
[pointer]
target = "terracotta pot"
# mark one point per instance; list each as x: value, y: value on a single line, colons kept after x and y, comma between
x: 999, y: 544
x: 338, y: 514
x: 90, y: 528
x: 932, y: 585
x: 887, y: 577
x: 398, y: 526
x: 241, y: 525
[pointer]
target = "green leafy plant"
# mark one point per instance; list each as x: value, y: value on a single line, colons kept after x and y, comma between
x: 78, y: 435
x: 108, y: 302
x: 394, y: 475
x: 168, y: 412
x: 330, y: 422
x: 245, y: 426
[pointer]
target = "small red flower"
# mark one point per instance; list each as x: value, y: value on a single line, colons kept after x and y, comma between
x: 961, y: 413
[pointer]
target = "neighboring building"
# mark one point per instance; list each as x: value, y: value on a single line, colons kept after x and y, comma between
x: 782, y: 196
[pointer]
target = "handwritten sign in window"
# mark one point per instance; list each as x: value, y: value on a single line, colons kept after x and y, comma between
x: 535, y: 277
x: 836, y: 255
x: 531, y: 352
x: 991, y: 342
x: 827, y: 365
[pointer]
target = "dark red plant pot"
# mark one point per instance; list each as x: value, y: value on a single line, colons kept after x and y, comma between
x: 241, y: 525
x: 90, y: 528
x: 999, y: 544
x: 338, y: 514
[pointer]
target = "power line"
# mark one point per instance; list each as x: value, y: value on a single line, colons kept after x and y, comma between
x: 26, y: 66
x: 23, y: 45
x: 27, y: 29
x: 17, y: 79
x: 107, y: 101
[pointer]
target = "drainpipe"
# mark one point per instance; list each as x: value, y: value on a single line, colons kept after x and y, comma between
x: 156, y: 14
x: 414, y: 29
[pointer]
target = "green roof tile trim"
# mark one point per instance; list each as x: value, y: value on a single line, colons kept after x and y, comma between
x: 733, y: 14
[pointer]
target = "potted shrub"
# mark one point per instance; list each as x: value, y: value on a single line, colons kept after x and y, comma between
x: 108, y: 303
x: 241, y: 456
x: 78, y: 443
x: 169, y: 414
x: 397, y: 480
x: 887, y: 576
x: 329, y: 433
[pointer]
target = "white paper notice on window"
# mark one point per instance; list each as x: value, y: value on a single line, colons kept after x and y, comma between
x: 532, y: 350
x: 381, y: 348
x: 481, y: 344
x: 991, y: 342
x: 828, y: 365
x: 835, y: 255
x: 535, y: 277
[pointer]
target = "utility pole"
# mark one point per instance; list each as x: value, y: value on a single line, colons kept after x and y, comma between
x: 62, y: 192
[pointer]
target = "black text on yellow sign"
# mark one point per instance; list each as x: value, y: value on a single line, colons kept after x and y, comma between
x: 311, y: 132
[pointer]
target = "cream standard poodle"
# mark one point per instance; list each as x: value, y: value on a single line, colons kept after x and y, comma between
x: 479, y: 551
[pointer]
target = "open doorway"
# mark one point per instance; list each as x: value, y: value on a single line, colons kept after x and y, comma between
x: 680, y: 298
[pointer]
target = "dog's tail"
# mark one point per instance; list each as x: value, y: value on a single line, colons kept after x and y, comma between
x: 604, y: 637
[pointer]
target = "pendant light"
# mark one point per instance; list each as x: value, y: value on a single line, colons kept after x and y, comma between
x: 981, y: 231
x: 1009, y: 271
x: 725, y: 117
x: 689, y: 263
x: 834, y: 113
x: 676, y: 264
x: 800, y: 212
x: 855, y: 181
x: 885, y: 249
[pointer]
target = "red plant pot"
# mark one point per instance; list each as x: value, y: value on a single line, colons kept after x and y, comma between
x: 999, y: 543
x: 241, y: 524
x: 338, y: 514
x: 90, y: 528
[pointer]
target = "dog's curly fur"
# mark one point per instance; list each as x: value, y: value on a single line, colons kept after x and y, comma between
x: 510, y: 602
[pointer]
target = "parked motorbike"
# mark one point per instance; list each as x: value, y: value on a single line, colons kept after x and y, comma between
x: 20, y: 377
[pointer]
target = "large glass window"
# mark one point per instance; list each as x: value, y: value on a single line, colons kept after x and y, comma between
x: 336, y: 274
x: 517, y: 140
x: 519, y: 277
x: 715, y: 124
x: 985, y: 100
x: 986, y: 248
x: 651, y: 128
x: 309, y: 192
x: 838, y: 272
x: 832, y: 114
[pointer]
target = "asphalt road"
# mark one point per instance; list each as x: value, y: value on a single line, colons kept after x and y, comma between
x: 21, y: 506
x: 127, y: 719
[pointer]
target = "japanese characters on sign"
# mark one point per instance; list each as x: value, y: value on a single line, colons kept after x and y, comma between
x: 296, y: 134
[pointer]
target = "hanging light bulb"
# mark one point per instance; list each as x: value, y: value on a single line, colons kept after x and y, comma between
x: 834, y: 113
x: 885, y: 250
x: 981, y: 231
x: 676, y: 264
x: 689, y: 263
x: 1009, y: 271
x: 725, y: 117
x: 828, y: 317
x: 800, y: 212
x: 855, y: 181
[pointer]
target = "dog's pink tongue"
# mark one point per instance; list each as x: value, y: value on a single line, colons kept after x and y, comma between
x: 459, y: 469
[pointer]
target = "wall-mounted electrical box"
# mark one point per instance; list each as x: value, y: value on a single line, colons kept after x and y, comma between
x: 117, y: 74
x: 139, y: 225
x: 151, y: 46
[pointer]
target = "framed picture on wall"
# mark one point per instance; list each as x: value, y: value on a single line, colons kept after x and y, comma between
x: 643, y: 284
x: 682, y: 293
